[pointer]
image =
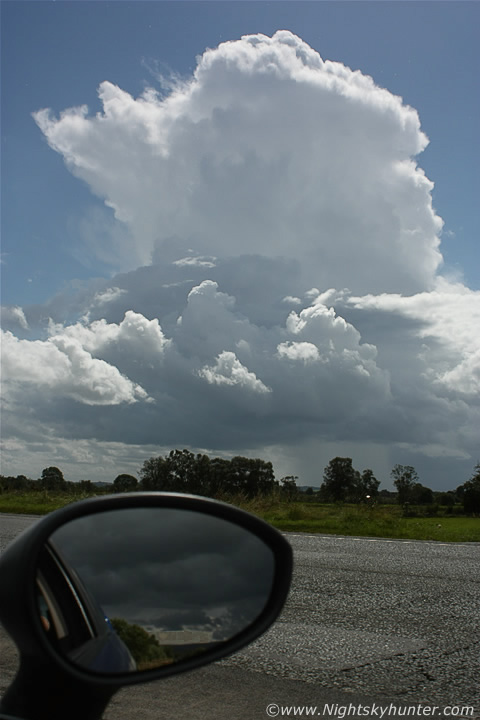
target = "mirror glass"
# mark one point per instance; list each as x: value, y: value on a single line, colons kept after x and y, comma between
x: 139, y: 588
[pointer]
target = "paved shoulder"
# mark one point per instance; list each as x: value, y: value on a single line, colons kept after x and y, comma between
x: 12, y: 525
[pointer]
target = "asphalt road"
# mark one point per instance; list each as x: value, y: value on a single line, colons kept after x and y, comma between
x: 367, y: 621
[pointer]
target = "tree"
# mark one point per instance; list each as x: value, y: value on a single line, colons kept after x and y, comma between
x: 251, y: 476
x: 404, y: 478
x: 339, y: 478
x: 388, y: 497
x: 144, y: 647
x: 289, y: 487
x: 202, y: 478
x: 365, y: 485
x: 15, y: 483
x: 125, y: 483
x: 154, y: 474
x: 471, y: 493
x: 52, y: 479
x: 182, y: 471
x: 219, y: 474
x: 86, y: 486
x: 459, y: 492
x: 421, y: 495
x: 447, y: 499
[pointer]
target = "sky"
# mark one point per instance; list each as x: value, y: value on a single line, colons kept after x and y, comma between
x: 241, y: 228
x: 142, y: 577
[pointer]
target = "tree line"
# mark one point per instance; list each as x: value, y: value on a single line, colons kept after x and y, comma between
x: 342, y: 483
x: 183, y: 471
x: 179, y: 471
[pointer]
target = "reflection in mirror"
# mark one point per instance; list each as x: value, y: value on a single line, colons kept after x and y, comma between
x: 139, y: 588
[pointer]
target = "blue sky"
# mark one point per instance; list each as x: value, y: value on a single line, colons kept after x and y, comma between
x: 254, y: 240
x: 55, y: 54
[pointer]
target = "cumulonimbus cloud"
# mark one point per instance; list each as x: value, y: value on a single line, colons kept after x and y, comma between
x: 267, y: 149
x: 290, y: 286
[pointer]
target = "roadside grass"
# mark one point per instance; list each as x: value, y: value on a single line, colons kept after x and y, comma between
x: 387, y: 521
x: 36, y: 503
x: 379, y: 521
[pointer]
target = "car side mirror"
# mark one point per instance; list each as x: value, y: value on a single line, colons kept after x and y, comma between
x: 130, y: 588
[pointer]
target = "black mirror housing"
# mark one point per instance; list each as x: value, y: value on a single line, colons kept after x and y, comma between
x: 51, y: 677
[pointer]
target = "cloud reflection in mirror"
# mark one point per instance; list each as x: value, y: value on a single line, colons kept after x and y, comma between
x: 175, y: 582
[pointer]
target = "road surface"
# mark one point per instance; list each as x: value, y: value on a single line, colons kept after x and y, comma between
x: 367, y: 621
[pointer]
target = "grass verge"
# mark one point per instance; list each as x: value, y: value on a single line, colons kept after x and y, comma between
x: 385, y: 521
x: 36, y: 503
x: 379, y: 521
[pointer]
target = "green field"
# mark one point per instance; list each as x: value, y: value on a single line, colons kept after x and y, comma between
x: 380, y: 521
x: 385, y: 521
x: 36, y: 503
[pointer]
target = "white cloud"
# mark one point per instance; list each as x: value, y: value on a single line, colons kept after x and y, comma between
x: 13, y: 316
x: 135, y: 334
x: 290, y: 300
x: 447, y: 321
x: 465, y: 377
x: 333, y: 337
x: 267, y: 150
x: 195, y: 262
x: 108, y: 295
x: 228, y: 370
x: 64, y: 368
x: 299, y: 351
x: 313, y: 375
x: 270, y: 180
